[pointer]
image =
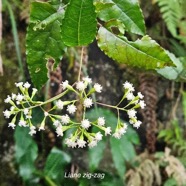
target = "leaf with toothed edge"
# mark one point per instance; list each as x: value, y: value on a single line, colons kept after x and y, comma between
x: 126, y: 11
x: 144, y: 53
x: 79, y: 23
x: 43, y: 43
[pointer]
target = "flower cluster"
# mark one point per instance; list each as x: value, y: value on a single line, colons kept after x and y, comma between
x: 23, y: 103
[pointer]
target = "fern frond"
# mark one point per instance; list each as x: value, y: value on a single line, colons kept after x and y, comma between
x: 171, y: 11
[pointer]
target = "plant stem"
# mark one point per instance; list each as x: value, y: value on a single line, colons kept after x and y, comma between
x: 81, y: 63
x: 111, y: 106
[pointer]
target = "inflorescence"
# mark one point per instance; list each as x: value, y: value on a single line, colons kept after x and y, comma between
x: 23, y: 103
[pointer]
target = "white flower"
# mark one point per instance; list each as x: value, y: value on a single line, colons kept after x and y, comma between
x: 137, y: 124
x: 140, y: 95
x: 26, y: 111
x: 28, y: 116
x: 32, y: 130
x: 7, y: 113
x: 59, y: 104
x: 87, y: 102
x: 87, y: 79
x: 42, y: 127
x: 101, y: 121
x: 65, y: 119
x: 131, y: 113
x: 117, y: 135
x: 14, y: 96
x: 65, y: 84
x: 81, y: 86
x: 11, y: 125
x: 59, y: 131
x: 81, y: 143
x: 56, y: 123
x: 8, y: 99
x: 19, y: 97
x: 98, y: 88
x: 85, y: 123
x: 130, y: 96
x: 12, y: 108
x: 22, y: 123
x: 27, y: 85
x: 34, y: 90
x: 122, y: 130
x: 70, y: 143
x: 128, y: 86
x: 19, y: 84
x: 93, y: 143
x: 142, y: 104
x: 107, y: 131
x: 98, y: 136
x: 46, y: 114
x: 131, y: 121
x: 71, y: 109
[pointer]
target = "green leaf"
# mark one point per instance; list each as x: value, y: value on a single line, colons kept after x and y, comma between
x: 144, y: 53
x: 117, y: 157
x: 170, y: 182
x: 55, y: 163
x: 132, y: 136
x: 79, y: 24
x: 43, y: 44
x: 171, y: 73
x: 127, y: 149
x: 126, y: 11
x: 26, y: 152
x: 100, y: 5
x: 96, y: 154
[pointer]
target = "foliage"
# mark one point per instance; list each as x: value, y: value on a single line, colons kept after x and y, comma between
x: 79, y: 23
x: 26, y: 153
x: 43, y: 40
x: 122, y: 150
x: 77, y: 26
x: 173, y: 14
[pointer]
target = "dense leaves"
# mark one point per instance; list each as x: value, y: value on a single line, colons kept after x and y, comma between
x: 144, y: 53
x: 43, y: 40
x: 79, y: 24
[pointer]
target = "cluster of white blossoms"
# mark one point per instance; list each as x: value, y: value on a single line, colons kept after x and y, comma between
x: 23, y: 103
x: 135, y: 102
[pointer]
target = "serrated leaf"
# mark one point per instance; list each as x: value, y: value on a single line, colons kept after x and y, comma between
x: 144, y: 53
x: 79, y: 23
x: 26, y: 152
x: 43, y: 44
x: 55, y: 163
x: 127, y: 11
